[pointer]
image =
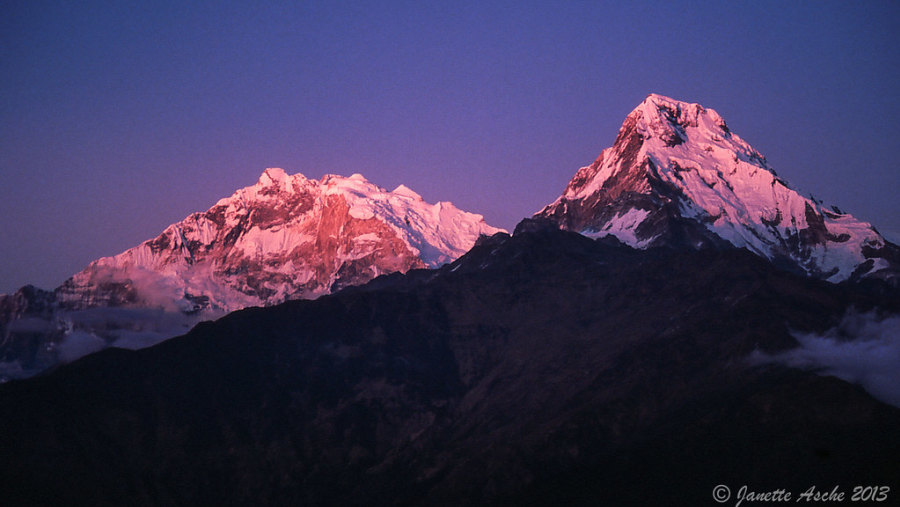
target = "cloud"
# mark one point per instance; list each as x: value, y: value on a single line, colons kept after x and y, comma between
x: 863, y: 349
x: 31, y: 325
x: 78, y: 344
x: 12, y: 369
x: 94, y: 329
x: 140, y: 340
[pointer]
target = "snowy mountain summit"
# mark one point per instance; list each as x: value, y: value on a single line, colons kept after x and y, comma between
x: 286, y: 237
x: 677, y: 176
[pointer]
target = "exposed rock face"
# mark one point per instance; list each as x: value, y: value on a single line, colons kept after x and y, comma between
x: 27, y: 325
x: 286, y: 237
x: 677, y: 176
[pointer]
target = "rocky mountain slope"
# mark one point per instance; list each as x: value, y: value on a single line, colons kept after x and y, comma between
x: 678, y: 176
x: 286, y: 237
x: 606, y: 376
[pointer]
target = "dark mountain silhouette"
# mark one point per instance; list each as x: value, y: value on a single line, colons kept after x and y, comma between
x: 539, y: 368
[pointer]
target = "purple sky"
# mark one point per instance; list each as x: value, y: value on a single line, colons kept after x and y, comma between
x: 117, y: 120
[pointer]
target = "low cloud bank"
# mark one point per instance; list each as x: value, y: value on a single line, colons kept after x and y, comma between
x: 79, y: 344
x: 863, y: 349
x: 132, y: 328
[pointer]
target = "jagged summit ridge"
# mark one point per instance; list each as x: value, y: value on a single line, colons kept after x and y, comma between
x: 285, y: 237
x: 677, y: 175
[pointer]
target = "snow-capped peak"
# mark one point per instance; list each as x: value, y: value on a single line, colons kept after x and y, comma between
x: 676, y: 174
x: 284, y: 237
x: 660, y: 107
x: 273, y: 176
x: 404, y: 190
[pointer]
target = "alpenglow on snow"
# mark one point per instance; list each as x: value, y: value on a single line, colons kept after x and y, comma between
x: 286, y: 237
x: 676, y: 175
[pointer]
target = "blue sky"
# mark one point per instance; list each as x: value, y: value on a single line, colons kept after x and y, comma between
x: 119, y: 118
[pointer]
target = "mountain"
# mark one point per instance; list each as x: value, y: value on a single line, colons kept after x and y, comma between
x: 286, y: 237
x: 678, y: 176
x: 539, y: 368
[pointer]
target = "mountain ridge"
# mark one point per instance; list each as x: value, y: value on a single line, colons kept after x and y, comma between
x: 607, y: 375
x: 285, y: 237
x: 617, y: 348
x: 289, y: 237
x: 677, y: 175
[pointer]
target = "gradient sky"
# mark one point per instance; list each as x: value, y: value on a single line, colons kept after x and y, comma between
x: 118, y: 118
